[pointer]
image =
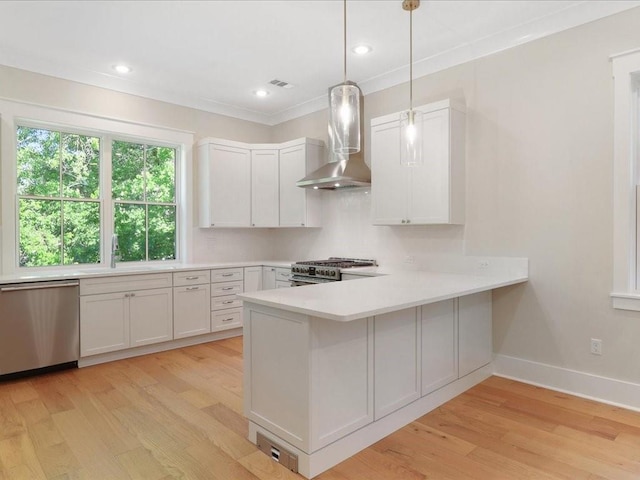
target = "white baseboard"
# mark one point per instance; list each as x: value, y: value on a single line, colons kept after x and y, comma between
x: 602, y: 389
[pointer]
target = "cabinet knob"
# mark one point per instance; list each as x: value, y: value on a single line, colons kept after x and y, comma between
x: 253, y: 224
x: 302, y: 224
x: 132, y: 295
x: 408, y: 221
x: 404, y: 221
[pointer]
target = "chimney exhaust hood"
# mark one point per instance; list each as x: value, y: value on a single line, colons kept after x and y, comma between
x: 342, y: 171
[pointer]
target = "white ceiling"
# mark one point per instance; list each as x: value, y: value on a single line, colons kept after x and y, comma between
x: 212, y: 55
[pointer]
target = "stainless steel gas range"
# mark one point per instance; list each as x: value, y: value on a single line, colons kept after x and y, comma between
x: 310, y: 272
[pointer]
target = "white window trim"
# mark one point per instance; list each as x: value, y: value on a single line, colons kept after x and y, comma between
x: 626, y: 73
x: 12, y: 112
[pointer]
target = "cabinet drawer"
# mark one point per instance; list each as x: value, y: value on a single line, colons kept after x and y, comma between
x: 226, y: 275
x: 226, y: 288
x: 224, y: 319
x: 226, y: 301
x: 124, y: 283
x: 197, y: 277
x: 283, y: 274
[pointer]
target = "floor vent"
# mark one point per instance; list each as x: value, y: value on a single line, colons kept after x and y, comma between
x: 276, y: 452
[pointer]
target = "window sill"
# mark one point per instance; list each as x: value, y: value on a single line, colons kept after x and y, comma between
x: 626, y: 301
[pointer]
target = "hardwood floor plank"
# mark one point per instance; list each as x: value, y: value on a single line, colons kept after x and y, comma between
x: 178, y: 414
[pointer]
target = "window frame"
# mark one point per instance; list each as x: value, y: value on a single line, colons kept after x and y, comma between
x: 14, y: 113
x: 625, y: 294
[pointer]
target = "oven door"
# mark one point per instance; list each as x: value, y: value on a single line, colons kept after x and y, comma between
x: 301, y: 280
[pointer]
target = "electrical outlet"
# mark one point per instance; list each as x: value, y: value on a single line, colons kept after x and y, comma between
x: 596, y: 346
x: 483, y: 264
x: 409, y: 259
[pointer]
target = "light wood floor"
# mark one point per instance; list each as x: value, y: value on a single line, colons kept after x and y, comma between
x: 178, y: 414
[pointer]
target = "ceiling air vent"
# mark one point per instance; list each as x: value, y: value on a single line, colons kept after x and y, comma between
x: 280, y: 83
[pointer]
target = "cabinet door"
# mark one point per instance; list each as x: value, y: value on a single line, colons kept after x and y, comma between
x: 151, y: 316
x: 229, y: 186
x: 191, y: 310
x: 429, y: 191
x: 293, y: 200
x: 104, y: 323
x: 268, y: 278
x: 252, y: 279
x: 264, y: 188
x: 439, y: 345
x: 476, y: 332
x: 388, y: 178
x: 396, y: 360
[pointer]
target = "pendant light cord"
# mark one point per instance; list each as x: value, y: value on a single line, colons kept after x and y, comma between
x: 410, y: 59
x: 344, y: 11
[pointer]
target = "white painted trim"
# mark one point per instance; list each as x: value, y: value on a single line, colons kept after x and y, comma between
x: 626, y: 301
x: 625, y: 69
x: 158, y: 347
x: 586, y: 385
x: 310, y: 465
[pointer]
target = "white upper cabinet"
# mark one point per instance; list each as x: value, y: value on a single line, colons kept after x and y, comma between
x: 432, y: 193
x: 299, y: 207
x: 264, y: 188
x: 224, y: 171
x: 254, y: 185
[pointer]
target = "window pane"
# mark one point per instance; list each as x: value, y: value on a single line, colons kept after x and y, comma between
x: 80, y: 166
x: 162, y: 232
x: 130, y: 227
x: 127, y: 171
x: 40, y: 232
x: 81, y: 232
x: 161, y: 173
x: 38, y: 162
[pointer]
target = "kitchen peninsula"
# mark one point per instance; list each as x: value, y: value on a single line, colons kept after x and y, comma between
x: 332, y: 368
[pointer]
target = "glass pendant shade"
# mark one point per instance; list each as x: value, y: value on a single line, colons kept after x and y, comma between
x: 344, y: 118
x: 411, y: 138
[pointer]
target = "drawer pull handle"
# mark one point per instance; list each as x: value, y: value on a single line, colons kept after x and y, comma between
x: 192, y: 288
x: 192, y: 278
x: 227, y: 274
x: 227, y: 319
x: 227, y: 302
x: 228, y: 288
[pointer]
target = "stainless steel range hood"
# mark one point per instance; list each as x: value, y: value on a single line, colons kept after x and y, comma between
x: 342, y: 171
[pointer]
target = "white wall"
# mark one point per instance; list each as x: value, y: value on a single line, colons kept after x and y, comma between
x: 539, y: 185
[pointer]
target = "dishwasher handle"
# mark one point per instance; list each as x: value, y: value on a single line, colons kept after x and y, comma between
x: 38, y: 286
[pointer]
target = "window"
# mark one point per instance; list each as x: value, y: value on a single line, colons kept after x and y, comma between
x: 144, y: 193
x: 58, y: 179
x: 626, y: 181
x: 62, y: 217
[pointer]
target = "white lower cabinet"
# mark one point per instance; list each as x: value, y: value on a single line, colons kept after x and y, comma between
x: 225, y: 307
x: 396, y: 360
x: 191, y: 310
x: 475, y: 339
x: 439, y: 333
x: 124, y: 319
x: 275, y: 277
x: 252, y: 279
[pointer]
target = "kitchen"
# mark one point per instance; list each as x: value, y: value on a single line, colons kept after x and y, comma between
x: 540, y: 151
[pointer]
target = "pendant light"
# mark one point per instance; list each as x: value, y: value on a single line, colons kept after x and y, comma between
x: 411, y: 120
x: 344, y: 109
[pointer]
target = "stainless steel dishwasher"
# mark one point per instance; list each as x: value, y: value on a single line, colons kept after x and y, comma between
x: 39, y: 327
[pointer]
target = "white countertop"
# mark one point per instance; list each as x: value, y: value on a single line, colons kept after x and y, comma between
x: 354, y: 299
x: 43, y: 275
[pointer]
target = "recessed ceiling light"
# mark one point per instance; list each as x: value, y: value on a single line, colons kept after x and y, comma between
x: 121, y: 68
x: 361, y: 49
x: 261, y: 93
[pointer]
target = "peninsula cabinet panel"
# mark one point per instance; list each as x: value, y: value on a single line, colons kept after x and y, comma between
x: 396, y: 360
x: 476, y: 338
x: 224, y: 175
x: 439, y: 345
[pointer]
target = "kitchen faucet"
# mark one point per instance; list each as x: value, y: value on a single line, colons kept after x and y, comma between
x: 115, y: 250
